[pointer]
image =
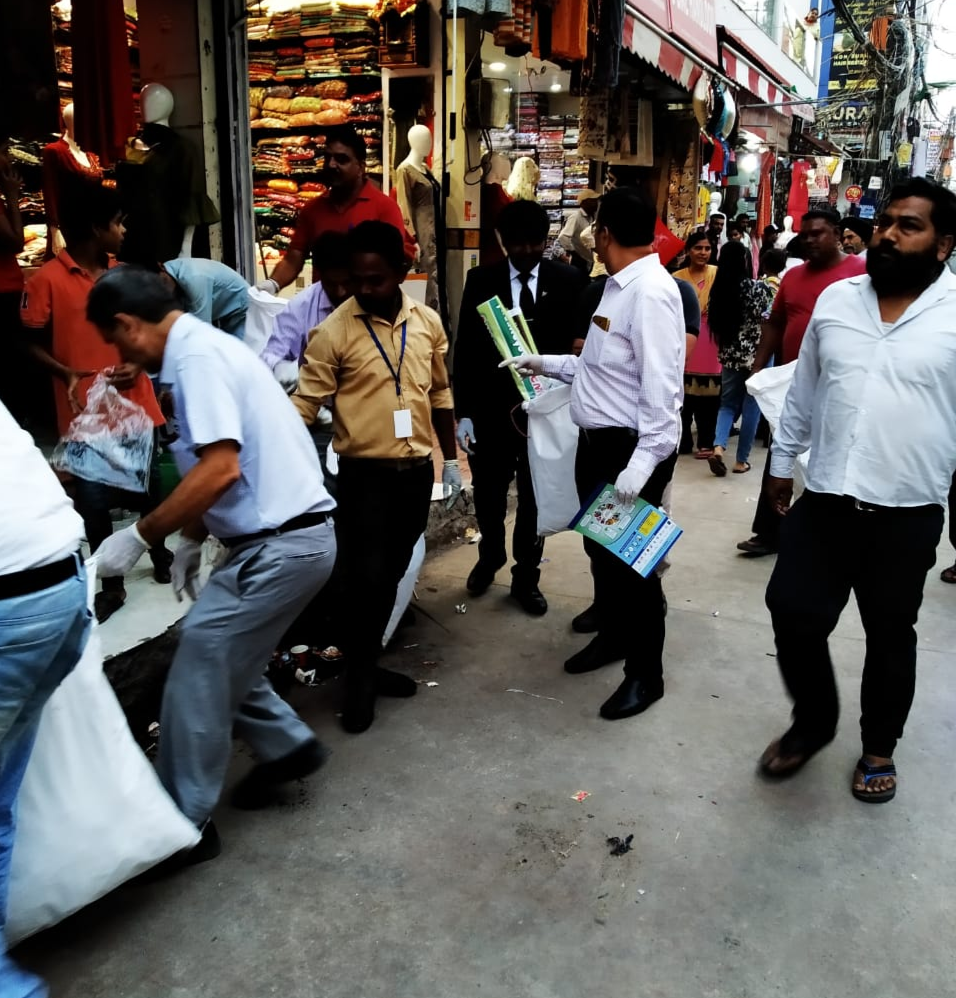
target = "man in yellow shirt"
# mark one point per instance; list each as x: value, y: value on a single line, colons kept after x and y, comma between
x: 379, y: 359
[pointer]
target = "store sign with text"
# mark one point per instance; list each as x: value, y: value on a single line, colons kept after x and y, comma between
x: 692, y: 22
x: 851, y: 72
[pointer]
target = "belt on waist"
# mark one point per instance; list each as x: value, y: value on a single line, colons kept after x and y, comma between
x: 296, y: 523
x: 603, y: 431
x: 871, y: 507
x: 35, y: 580
x: 389, y: 463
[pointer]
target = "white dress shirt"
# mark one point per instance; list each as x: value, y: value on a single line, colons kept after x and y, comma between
x: 220, y: 390
x: 516, y: 285
x: 631, y: 372
x: 875, y: 402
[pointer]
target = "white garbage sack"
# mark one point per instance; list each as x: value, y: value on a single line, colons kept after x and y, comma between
x: 91, y: 812
x: 406, y: 589
x: 769, y: 387
x: 552, y: 448
x: 263, y: 308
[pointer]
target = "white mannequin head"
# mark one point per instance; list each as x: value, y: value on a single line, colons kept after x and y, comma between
x: 67, y: 115
x: 157, y: 102
x: 788, y: 224
x: 420, y: 144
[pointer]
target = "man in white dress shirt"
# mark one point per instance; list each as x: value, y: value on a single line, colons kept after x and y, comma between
x: 874, y: 399
x: 250, y: 477
x: 627, y: 389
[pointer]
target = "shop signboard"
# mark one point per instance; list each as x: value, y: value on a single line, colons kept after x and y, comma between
x: 854, y: 194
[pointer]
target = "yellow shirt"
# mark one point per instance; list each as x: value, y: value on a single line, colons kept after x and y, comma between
x: 343, y: 363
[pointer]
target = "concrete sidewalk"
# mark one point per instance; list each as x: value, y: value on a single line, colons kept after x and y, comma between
x: 441, y: 855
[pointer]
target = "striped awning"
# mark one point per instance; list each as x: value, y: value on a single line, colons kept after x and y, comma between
x: 649, y: 44
x: 760, y: 85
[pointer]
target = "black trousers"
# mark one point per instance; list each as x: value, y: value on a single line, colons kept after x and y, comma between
x: 630, y: 608
x: 828, y: 549
x: 767, y: 521
x: 952, y: 512
x: 703, y: 410
x: 500, y: 457
x: 381, y: 513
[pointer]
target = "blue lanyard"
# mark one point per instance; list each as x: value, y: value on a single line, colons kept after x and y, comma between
x: 396, y: 375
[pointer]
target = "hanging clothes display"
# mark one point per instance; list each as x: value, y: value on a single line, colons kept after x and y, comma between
x: 419, y: 196
x: 798, y: 202
x: 66, y: 180
x: 102, y: 78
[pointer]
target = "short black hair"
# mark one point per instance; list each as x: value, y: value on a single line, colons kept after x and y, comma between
x: 826, y: 214
x: 943, y: 200
x: 95, y: 210
x: 700, y: 236
x: 347, y: 136
x: 380, y: 238
x: 773, y: 261
x: 133, y: 290
x: 331, y: 252
x: 863, y: 227
x: 521, y: 220
x: 627, y: 214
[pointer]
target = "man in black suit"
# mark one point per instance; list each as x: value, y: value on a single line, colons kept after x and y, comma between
x: 492, y: 427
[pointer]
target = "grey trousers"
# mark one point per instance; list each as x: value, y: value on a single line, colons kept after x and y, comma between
x: 216, y: 687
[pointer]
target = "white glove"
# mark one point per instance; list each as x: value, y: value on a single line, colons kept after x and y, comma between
x: 120, y: 552
x: 528, y: 364
x: 269, y: 286
x: 286, y: 372
x: 323, y: 417
x: 466, y: 434
x: 451, y: 482
x: 629, y: 484
x: 185, y: 568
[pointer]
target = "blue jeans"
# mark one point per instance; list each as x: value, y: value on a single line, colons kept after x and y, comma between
x: 736, y: 401
x: 42, y: 636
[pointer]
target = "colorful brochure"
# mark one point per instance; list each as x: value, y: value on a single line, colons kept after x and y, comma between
x: 638, y: 533
x: 512, y: 338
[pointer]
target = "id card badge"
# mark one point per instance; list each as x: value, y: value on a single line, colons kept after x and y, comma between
x: 403, y: 423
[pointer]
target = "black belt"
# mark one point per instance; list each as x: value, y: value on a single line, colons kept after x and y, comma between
x: 388, y: 463
x: 35, y: 580
x: 603, y: 431
x: 870, y: 507
x: 296, y: 523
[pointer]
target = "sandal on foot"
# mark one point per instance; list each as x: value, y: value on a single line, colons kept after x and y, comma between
x: 870, y: 772
x: 743, y: 470
x: 790, y: 745
x: 949, y: 575
x: 717, y: 466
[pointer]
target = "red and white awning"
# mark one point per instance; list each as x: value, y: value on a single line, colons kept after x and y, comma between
x: 651, y: 46
x: 760, y: 85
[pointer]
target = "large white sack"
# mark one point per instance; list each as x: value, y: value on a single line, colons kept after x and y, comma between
x: 263, y: 308
x: 92, y: 812
x: 769, y: 387
x: 552, y: 448
x: 406, y: 589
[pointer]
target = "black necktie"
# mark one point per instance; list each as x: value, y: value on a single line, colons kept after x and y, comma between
x: 526, y: 299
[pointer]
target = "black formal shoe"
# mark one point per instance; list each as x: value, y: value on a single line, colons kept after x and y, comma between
x: 586, y: 622
x: 756, y: 547
x: 394, y: 684
x: 208, y: 847
x: 632, y: 697
x: 531, y: 600
x: 162, y: 559
x: 594, y: 655
x: 260, y: 786
x: 481, y: 577
x: 358, y: 711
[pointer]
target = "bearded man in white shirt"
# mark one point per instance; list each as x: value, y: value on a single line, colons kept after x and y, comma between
x: 874, y: 399
x: 627, y: 390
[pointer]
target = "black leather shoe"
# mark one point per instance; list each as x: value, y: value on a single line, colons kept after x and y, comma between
x: 481, y: 577
x: 260, y: 786
x: 586, y: 622
x: 632, y: 697
x: 594, y: 655
x: 394, y: 684
x: 358, y: 711
x: 531, y: 600
x: 756, y: 547
x: 162, y: 559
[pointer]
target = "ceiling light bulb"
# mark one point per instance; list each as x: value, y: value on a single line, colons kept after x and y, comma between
x: 497, y: 67
x: 555, y: 86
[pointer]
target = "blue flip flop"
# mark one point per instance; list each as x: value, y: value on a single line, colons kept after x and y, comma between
x: 871, y: 772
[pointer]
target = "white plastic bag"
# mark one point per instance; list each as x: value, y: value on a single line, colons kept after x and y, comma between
x: 552, y: 448
x: 769, y: 387
x: 91, y: 812
x: 110, y: 441
x: 406, y: 588
x: 263, y: 308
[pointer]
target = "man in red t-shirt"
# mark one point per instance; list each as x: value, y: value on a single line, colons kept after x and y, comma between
x: 59, y: 336
x: 352, y: 198
x: 781, y: 335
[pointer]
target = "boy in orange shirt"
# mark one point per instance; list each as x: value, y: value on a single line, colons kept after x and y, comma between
x: 54, y: 304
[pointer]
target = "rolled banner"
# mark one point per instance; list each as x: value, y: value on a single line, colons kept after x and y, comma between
x: 512, y: 338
